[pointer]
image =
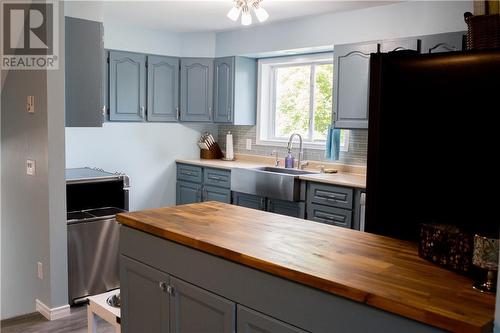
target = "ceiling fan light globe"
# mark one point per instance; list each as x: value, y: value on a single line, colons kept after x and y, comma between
x: 246, y: 18
x: 234, y: 13
x: 262, y: 14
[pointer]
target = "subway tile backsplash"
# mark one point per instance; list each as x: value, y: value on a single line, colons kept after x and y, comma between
x: 358, y: 144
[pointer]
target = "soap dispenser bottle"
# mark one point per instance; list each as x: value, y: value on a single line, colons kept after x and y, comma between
x: 289, y: 160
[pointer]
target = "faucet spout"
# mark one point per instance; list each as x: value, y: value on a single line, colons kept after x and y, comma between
x: 301, y: 150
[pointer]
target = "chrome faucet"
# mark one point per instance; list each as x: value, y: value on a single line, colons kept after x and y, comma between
x: 277, y: 161
x: 300, y: 164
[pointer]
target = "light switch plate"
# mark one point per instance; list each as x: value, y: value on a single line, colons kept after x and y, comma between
x: 30, y: 104
x: 249, y: 144
x: 30, y: 167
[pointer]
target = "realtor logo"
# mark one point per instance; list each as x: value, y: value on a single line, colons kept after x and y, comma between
x: 29, y: 35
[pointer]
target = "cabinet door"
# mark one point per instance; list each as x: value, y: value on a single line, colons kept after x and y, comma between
x: 400, y: 44
x: 196, y: 89
x: 163, y: 88
x: 193, y: 309
x: 330, y: 215
x: 447, y: 42
x: 224, y: 90
x: 213, y: 193
x: 289, y: 208
x: 127, y: 86
x: 351, y: 82
x: 188, y: 193
x: 250, y: 321
x: 249, y: 201
x: 84, y: 68
x: 145, y: 304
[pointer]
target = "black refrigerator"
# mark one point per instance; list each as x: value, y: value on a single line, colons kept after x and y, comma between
x: 433, y: 142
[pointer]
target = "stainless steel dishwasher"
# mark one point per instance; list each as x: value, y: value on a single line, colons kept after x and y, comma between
x: 94, y: 197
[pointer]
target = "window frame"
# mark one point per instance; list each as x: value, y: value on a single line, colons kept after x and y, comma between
x: 266, y: 99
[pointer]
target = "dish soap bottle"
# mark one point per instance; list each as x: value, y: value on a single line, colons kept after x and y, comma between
x: 289, y: 160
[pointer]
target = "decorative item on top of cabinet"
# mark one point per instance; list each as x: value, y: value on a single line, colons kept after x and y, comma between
x: 85, y: 101
x: 163, y: 88
x: 235, y: 90
x: 127, y: 86
x: 197, y: 89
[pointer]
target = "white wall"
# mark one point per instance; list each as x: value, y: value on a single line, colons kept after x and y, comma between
x: 392, y: 21
x: 145, y: 152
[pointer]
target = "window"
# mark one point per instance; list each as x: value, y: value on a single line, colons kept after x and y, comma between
x: 295, y: 96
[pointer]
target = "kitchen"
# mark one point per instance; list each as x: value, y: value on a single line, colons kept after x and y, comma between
x: 158, y: 151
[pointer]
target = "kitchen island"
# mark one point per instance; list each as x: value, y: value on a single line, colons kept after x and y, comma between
x: 215, y: 267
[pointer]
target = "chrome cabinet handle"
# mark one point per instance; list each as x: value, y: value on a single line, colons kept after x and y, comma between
x: 330, y: 217
x: 165, y: 287
x: 177, y: 113
x: 229, y: 113
x: 103, y: 109
x: 262, y: 203
x: 209, y: 112
x: 143, y: 111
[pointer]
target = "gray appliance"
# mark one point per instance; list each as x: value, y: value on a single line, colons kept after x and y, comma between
x: 94, y: 197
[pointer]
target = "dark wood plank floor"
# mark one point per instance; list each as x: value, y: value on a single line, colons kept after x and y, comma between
x: 36, y: 323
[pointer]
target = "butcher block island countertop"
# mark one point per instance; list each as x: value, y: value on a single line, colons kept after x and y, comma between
x: 381, y: 272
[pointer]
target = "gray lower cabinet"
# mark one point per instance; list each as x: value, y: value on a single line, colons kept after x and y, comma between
x: 249, y: 201
x: 250, y: 321
x: 193, y: 309
x: 163, y: 89
x: 155, y: 302
x: 198, y: 184
x: 196, y: 89
x: 145, y: 304
x: 84, y: 73
x: 332, y: 204
x: 235, y: 90
x: 350, y: 84
x: 187, y: 192
x: 213, y: 193
x: 288, y: 208
x: 127, y: 86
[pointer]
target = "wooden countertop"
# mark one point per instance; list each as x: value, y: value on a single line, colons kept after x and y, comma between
x: 382, y: 272
x: 341, y: 178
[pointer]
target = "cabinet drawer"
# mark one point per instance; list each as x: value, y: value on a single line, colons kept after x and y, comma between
x: 217, y: 177
x: 330, y: 215
x: 329, y: 195
x: 190, y: 173
x: 213, y: 193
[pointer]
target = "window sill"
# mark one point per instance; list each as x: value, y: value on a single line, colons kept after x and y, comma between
x: 283, y: 143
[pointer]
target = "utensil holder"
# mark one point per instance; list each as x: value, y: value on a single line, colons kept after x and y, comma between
x: 213, y: 153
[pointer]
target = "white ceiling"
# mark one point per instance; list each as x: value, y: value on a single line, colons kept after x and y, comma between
x: 205, y: 16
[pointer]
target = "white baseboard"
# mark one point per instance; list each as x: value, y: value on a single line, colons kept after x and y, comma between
x: 52, y: 314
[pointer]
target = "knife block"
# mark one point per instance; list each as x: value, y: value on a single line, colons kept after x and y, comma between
x: 214, y: 153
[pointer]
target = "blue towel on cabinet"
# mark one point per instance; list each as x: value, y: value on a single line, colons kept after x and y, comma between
x: 332, y: 151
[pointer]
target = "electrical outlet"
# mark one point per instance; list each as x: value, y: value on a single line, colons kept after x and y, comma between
x: 30, y: 167
x: 30, y: 104
x: 39, y: 267
x: 249, y: 144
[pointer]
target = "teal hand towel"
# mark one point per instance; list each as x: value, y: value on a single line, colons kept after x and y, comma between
x: 332, y: 151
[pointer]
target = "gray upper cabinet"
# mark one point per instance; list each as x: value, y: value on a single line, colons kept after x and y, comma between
x: 224, y: 90
x: 448, y: 42
x: 196, y: 310
x: 127, y: 86
x: 196, y: 89
x: 250, y: 321
x: 84, y: 73
x: 350, y: 85
x: 163, y: 89
x: 235, y: 90
x: 402, y: 44
x: 145, y: 304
